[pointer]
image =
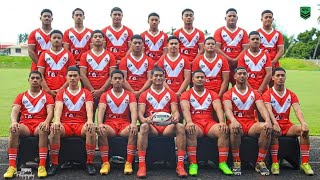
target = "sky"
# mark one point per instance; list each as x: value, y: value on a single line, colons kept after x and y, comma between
x: 22, y: 16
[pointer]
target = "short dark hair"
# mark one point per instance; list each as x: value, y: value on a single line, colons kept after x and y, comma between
x: 116, y: 9
x: 239, y: 68
x: 46, y: 11
x: 198, y: 71
x: 157, y: 68
x: 97, y: 31
x: 73, y: 68
x: 266, y: 11
x: 117, y: 71
x: 187, y: 9
x: 35, y: 72
x: 278, y: 69
x: 254, y: 33
x: 153, y: 14
x: 136, y: 36
x: 77, y: 9
x: 209, y: 38
x: 56, y: 32
x: 231, y: 9
x: 172, y: 37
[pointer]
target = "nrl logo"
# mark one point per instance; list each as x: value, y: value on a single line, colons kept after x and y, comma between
x: 305, y: 12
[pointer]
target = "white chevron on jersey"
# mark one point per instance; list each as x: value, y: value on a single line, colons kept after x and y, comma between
x: 82, y: 43
x: 95, y: 65
x: 74, y: 107
x: 277, y: 107
x: 158, y: 105
x: 211, y: 72
x: 118, y: 109
x: 114, y: 40
x: 229, y: 41
x: 252, y: 65
x: 31, y: 108
x: 204, y: 106
x: 185, y: 41
x: 156, y: 46
x: 56, y: 66
x: 243, y: 106
x: 272, y: 42
x: 173, y: 72
x: 134, y: 70
x: 42, y: 42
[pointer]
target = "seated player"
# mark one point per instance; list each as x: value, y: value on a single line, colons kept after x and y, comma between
x: 116, y: 106
x: 239, y: 103
x: 278, y: 101
x: 159, y: 99
x: 198, y: 105
x: 36, y: 109
x: 73, y: 117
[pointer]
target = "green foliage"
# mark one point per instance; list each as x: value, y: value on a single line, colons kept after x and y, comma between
x: 17, y: 62
x: 298, y: 64
x: 22, y: 38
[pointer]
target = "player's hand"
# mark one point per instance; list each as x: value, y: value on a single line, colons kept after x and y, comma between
x: 235, y: 128
x: 44, y: 126
x: 133, y: 129
x: 190, y: 128
x: 90, y: 127
x: 14, y: 127
x: 55, y: 127
x: 267, y: 126
x: 149, y: 119
x: 174, y: 120
x: 223, y: 128
x: 273, y: 63
x: 260, y: 91
x: 304, y: 130
x: 178, y: 95
x: 276, y: 130
x: 52, y: 93
x: 232, y: 61
x: 137, y: 94
x: 102, y: 129
x: 96, y: 93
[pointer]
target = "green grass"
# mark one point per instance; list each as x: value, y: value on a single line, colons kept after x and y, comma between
x: 298, y: 64
x: 19, y: 62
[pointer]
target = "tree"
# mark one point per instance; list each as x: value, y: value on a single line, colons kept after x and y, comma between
x: 22, y: 38
x: 172, y: 31
x: 316, y: 49
x: 206, y: 33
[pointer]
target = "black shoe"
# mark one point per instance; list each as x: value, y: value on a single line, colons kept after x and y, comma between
x: 52, y: 170
x: 91, y: 169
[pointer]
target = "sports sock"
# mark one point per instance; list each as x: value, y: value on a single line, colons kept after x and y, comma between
x: 142, y: 158
x: 192, y: 154
x: 262, y: 154
x: 12, y: 156
x: 104, y: 152
x: 180, y: 154
x: 236, y: 155
x: 274, y: 153
x: 54, y: 152
x: 90, y: 153
x: 223, y: 154
x: 43, y: 152
x: 305, y: 149
x: 131, y: 152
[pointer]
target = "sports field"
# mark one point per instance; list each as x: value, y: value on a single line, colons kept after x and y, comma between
x: 303, y: 79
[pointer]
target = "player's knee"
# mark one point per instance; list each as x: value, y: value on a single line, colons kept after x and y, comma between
x: 144, y: 128
x: 180, y: 128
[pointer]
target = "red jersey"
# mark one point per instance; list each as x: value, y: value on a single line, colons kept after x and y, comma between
x: 33, y: 108
x: 270, y: 41
x: 56, y: 66
x: 174, y: 70
x: 118, y: 107
x: 256, y: 66
x: 243, y: 105
x: 200, y: 105
x: 213, y: 70
x: 117, y: 41
x: 157, y: 102
x: 280, y: 104
x: 98, y: 67
x: 137, y: 70
x: 79, y: 42
x: 189, y: 42
x: 231, y: 41
x: 154, y: 44
x: 74, y: 105
x: 42, y: 42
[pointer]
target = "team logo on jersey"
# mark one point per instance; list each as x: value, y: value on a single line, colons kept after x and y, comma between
x: 305, y: 12
x: 71, y: 37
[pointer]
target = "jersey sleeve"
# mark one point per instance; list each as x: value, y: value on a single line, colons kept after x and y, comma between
x: 59, y: 96
x: 66, y: 37
x: 71, y: 60
x: 214, y: 95
x: 195, y: 64
x: 280, y: 39
x: 32, y: 38
x: 245, y: 38
x: 225, y: 65
x: 142, y: 98
x: 41, y: 61
x: 217, y: 36
x: 187, y: 64
x: 89, y: 96
x: 130, y: 34
x: 113, y: 62
x: 50, y: 100
x: 266, y: 97
x: 174, y: 97
x: 160, y: 62
x: 185, y: 96
x: 132, y: 98
x: 150, y: 64
x: 241, y: 60
x: 294, y: 98
x: 268, y: 61
x: 257, y: 95
x: 103, y: 98
x: 226, y: 96
x: 201, y: 38
x: 123, y: 64
x: 165, y: 42
x: 18, y: 100
x: 83, y: 61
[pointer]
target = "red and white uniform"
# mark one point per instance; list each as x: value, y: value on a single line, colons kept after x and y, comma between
x: 213, y: 70
x: 256, y: 66
x: 158, y: 102
x: 281, y: 106
x: 189, y: 42
x: 231, y: 41
x: 174, y: 70
x: 136, y: 70
x: 243, y: 106
x: 154, y: 44
x: 42, y: 42
x: 79, y: 42
x: 98, y: 66
x: 270, y: 41
x: 56, y: 66
x: 117, y: 41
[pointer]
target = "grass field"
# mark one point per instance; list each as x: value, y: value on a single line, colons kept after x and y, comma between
x: 305, y: 83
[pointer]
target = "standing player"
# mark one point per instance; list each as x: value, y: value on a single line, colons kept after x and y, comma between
x: 198, y: 105
x: 155, y: 41
x: 136, y: 67
x: 36, y: 108
x: 239, y: 104
x: 278, y: 100
x: 77, y: 38
x: 39, y: 39
x: 53, y: 65
x: 231, y: 41
x: 215, y: 67
x: 73, y: 117
x: 257, y: 63
x: 117, y: 106
x: 176, y: 66
x: 191, y: 38
x: 117, y: 36
x: 159, y: 99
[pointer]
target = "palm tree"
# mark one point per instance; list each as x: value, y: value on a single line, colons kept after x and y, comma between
x: 206, y: 33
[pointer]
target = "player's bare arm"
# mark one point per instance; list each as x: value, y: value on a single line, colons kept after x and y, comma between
x: 89, y: 124
x: 217, y: 106
x: 231, y: 61
x: 66, y: 46
x: 235, y: 126
x: 134, y: 116
x: 190, y: 126
x: 45, y: 126
x: 224, y: 84
x: 276, y: 127
x: 14, y: 127
x: 185, y: 83
x: 85, y: 80
x: 101, y: 111
x: 265, y: 115
x: 201, y: 50
x: 299, y: 114
x: 146, y: 85
x: 32, y: 53
x: 175, y: 113
x: 266, y: 80
x: 56, y: 125
x: 44, y: 83
x: 244, y: 48
x: 126, y: 85
x: 280, y: 52
x: 107, y: 83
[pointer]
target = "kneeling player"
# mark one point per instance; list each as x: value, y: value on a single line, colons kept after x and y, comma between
x: 36, y: 108
x: 116, y: 105
x: 239, y: 103
x: 198, y: 105
x: 278, y: 100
